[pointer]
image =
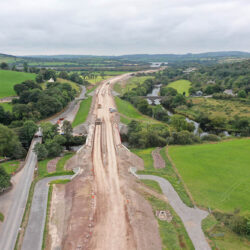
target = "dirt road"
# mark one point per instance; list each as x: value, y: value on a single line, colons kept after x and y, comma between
x: 113, y: 228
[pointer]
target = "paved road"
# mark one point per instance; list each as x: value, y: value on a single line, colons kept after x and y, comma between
x: 71, y: 111
x: 14, y: 217
x: 191, y: 217
x: 33, y: 238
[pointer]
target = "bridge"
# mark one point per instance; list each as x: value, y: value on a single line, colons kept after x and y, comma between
x: 153, y: 98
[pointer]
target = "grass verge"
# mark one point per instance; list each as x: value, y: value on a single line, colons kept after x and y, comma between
x: 1, y: 217
x: 168, y: 172
x: 60, y: 164
x: 173, y: 234
x: 83, y: 112
x: 220, y: 237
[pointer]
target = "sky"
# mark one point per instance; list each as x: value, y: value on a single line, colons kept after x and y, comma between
x: 116, y: 27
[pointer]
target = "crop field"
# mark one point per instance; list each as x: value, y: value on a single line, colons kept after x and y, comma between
x: 181, y: 86
x: 6, y: 106
x: 214, y: 107
x: 82, y: 113
x: 128, y: 113
x: 9, y: 78
x: 217, y: 175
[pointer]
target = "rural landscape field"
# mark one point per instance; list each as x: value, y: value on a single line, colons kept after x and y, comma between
x: 124, y: 125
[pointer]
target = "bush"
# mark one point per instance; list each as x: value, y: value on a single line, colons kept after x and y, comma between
x: 183, y: 138
x: 4, y: 179
x: 210, y: 137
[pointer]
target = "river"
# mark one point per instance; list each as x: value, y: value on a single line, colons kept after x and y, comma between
x: 155, y: 92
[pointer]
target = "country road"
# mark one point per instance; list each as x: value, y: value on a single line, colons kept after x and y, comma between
x: 33, y: 237
x: 13, y: 219
x: 72, y: 108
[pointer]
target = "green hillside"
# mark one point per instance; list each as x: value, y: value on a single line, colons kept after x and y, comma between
x: 9, y: 78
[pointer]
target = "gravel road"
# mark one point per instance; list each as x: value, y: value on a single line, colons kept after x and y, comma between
x: 14, y: 217
x: 33, y: 238
x: 191, y: 217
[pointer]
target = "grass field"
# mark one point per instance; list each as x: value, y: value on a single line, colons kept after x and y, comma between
x: 60, y: 80
x: 10, y: 166
x: 181, y: 86
x: 129, y: 112
x: 9, y: 78
x: 7, y: 106
x: 83, y: 112
x: 217, y: 175
x: 130, y: 84
x: 213, y: 107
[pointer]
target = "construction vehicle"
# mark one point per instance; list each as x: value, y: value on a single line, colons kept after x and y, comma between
x: 98, y: 121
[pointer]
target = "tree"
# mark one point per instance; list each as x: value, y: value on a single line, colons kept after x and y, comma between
x: 39, y: 78
x: 49, y: 131
x: 64, y: 75
x: 40, y: 151
x: 27, y: 132
x: 67, y: 132
x: 10, y: 145
x: 25, y: 67
x: 54, y: 149
x: 242, y: 94
x: 4, y: 65
x: 4, y: 179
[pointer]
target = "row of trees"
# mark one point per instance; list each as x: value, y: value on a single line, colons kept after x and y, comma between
x: 141, y: 136
x: 35, y: 103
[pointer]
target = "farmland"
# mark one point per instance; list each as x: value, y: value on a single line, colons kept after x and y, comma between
x: 217, y: 175
x: 9, y: 78
x: 130, y: 84
x: 216, y: 107
x: 181, y: 86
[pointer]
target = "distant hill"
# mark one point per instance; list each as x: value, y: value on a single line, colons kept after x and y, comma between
x: 189, y: 56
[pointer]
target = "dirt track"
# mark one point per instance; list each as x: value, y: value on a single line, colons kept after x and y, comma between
x: 104, y: 208
x: 113, y: 228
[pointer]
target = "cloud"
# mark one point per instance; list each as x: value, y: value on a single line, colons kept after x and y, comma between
x: 123, y: 26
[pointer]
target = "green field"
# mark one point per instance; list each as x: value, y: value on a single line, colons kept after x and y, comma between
x: 10, y: 166
x: 130, y: 84
x: 83, y: 112
x: 181, y: 86
x: 9, y: 78
x: 128, y: 113
x: 60, y: 80
x: 217, y: 175
x: 7, y: 106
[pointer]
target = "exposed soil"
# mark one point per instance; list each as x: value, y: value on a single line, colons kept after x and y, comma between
x: 104, y: 208
x: 158, y: 160
x: 51, y: 166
